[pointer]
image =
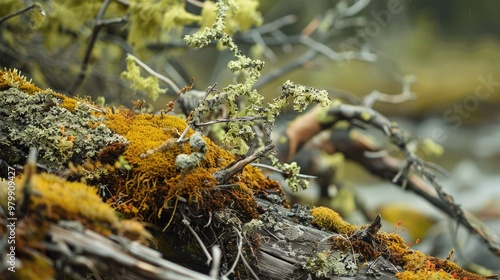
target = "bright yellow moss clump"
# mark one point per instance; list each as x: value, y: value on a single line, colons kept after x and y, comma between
x: 62, y: 200
x: 57, y: 199
x: 330, y: 220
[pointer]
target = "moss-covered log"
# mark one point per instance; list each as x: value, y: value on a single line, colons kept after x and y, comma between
x: 110, y: 165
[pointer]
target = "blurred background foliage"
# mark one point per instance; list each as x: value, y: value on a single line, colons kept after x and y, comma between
x: 450, y: 46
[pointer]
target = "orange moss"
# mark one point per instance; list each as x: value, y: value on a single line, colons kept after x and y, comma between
x: 111, y: 153
x: 328, y: 219
x: 416, y: 265
x: 62, y: 200
x: 155, y: 180
x: 424, y: 275
x: 68, y: 103
x: 13, y: 79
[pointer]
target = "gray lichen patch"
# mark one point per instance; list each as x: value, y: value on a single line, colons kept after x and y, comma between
x: 330, y: 263
x: 197, y: 143
x: 59, y: 135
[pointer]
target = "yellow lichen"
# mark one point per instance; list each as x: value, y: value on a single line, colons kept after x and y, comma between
x: 70, y: 104
x: 330, y: 220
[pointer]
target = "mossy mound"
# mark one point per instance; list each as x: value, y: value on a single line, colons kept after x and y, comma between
x: 392, y: 247
x: 156, y: 182
x: 52, y: 201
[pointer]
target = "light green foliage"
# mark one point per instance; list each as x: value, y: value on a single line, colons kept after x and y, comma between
x: 150, y: 18
x: 302, y: 96
x: 242, y: 65
x: 59, y: 135
x: 137, y: 82
x: 250, y: 69
x: 240, y: 19
x: 37, y: 16
x: 291, y: 171
x: 123, y: 163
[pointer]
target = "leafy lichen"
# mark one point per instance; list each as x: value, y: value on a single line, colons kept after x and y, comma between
x: 328, y: 263
x: 58, y: 125
x: 137, y: 82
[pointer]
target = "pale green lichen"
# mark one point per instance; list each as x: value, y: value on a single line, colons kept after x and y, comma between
x: 240, y: 132
x: 151, y: 19
x: 239, y: 19
x: 291, y: 171
x: 137, y: 82
x: 332, y: 263
x: 188, y: 162
x: 302, y: 96
x: 59, y: 134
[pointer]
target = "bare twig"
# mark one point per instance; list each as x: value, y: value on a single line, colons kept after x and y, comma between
x: 404, y: 96
x: 240, y: 245
x: 225, y: 174
x: 302, y: 176
x: 23, y: 10
x: 216, y: 253
x: 99, y: 23
x: 242, y: 119
x: 156, y: 74
x: 410, y: 174
x: 185, y: 222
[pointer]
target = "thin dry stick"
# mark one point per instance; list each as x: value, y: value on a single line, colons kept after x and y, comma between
x: 23, y: 10
x: 444, y: 200
x: 99, y: 23
x: 303, y: 176
x: 240, y: 245
x: 154, y: 73
x: 242, y: 119
x: 225, y: 174
x: 217, y: 254
x: 203, y: 248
